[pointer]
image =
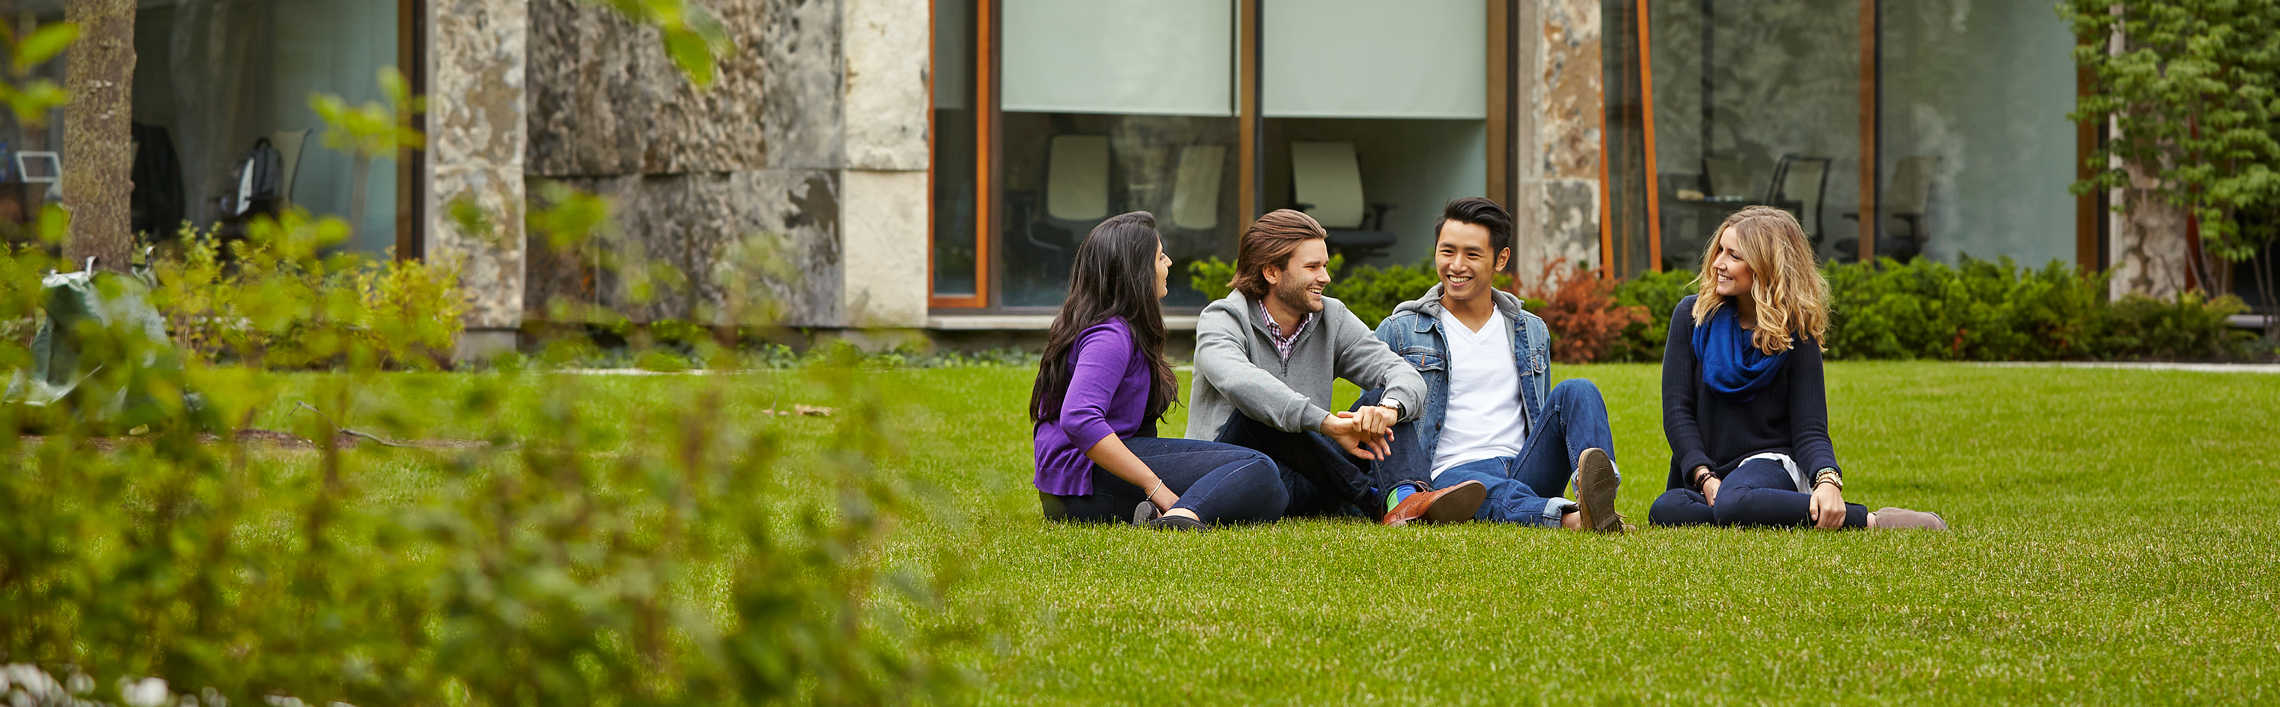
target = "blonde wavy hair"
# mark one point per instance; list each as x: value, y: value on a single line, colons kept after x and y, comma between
x: 1787, y: 291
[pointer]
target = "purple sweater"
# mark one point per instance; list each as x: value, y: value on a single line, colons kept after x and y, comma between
x: 1108, y: 394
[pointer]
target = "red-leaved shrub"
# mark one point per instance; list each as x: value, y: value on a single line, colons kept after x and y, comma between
x: 1580, y: 309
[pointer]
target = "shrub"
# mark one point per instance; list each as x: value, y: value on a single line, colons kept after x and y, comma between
x: 558, y: 553
x: 1580, y: 308
x: 1983, y: 310
x: 246, y: 304
x: 2189, y: 326
x: 1658, y: 293
x: 1372, y: 293
x: 1976, y: 310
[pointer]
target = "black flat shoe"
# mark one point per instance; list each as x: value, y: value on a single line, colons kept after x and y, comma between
x: 1144, y: 513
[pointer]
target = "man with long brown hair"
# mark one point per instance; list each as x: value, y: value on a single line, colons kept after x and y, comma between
x: 1265, y: 358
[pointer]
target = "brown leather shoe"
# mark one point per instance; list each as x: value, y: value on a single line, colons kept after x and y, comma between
x: 1595, y: 492
x: 1455, y: 504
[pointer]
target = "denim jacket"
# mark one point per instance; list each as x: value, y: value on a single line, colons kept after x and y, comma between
x: 1414, y: 332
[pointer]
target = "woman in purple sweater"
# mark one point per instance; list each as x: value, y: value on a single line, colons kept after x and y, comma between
x: 1102, y: 386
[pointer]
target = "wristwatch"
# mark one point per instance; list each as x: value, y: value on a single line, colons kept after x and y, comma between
x: 1395, y: 404
x: 1828, y: 476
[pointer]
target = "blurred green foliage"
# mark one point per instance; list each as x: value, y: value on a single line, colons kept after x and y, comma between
x: 283, y: 297
x: 28, y: 97
x: 542, y: 554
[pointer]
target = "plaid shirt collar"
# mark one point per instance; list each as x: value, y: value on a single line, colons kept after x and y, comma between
x: 1284, y: 343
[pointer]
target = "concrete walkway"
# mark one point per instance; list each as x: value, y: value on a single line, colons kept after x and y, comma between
x: 2146, y: 366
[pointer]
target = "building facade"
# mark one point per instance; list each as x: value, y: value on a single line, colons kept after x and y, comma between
x: 930, y: 164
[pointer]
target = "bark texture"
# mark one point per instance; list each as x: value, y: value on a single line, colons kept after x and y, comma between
x: 97, y: 176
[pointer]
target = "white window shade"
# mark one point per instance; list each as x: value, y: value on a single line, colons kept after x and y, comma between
x: 1372, y: 59
x: 1154, y: 57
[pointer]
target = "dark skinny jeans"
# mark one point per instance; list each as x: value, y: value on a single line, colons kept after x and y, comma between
x: 1221, y: 483
x: 1322, y: 478
x: 1757, y: 493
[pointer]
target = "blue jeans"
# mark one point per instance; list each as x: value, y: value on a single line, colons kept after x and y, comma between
x: 1322, y: 479
x: 1221, y: 483
x: 1760, y: 492
x: 1529, y: 488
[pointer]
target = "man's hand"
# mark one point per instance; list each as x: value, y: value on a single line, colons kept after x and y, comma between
x: 1827, y: 508
x: 1377, y: 420
x: 1344, y: 429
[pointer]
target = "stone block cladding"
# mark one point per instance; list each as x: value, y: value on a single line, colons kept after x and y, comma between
x: 736, y: 192
x: 1557, y: 135
x: 475, y: 132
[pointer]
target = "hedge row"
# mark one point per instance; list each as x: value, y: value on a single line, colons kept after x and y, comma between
x: 1976, y: 310
x: 1980, y: 310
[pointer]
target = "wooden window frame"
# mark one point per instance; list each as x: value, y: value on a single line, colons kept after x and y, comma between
x: 985, y: 123
x: 1500, y: 100
x: 1250, y: 152
x: 411, y: 164
x: 1871, y: 99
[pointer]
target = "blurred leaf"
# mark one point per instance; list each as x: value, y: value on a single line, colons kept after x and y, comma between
x: 43, y: 44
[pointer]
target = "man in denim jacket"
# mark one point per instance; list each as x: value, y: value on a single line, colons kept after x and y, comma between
x: 1490, y: 414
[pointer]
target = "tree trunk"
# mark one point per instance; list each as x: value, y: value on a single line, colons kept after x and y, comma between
x: 98, y: 150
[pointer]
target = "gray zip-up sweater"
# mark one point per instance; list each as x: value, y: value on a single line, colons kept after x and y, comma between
x: 1238, y: 371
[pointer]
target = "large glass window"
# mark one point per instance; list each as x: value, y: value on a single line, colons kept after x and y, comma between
x: 214, y: 78
x: 1373, y: 119
x: 1109, y: 107
x: 1756, y: 103
x: 957, y: 271
x: 1772, y: 103
x: 1973, y: 160
x: 1051, y: 116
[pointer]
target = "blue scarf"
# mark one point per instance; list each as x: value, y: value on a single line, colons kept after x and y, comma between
x: 1731, y: 364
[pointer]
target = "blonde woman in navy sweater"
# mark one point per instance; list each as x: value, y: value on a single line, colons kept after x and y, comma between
x: 1743, y: 402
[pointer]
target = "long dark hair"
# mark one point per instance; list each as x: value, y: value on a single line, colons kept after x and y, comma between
x: 1114, y: 276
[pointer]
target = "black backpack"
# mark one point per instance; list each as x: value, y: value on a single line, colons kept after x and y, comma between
x: 256, y: 186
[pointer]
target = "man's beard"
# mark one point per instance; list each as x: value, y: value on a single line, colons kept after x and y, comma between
x: 1295, y: 298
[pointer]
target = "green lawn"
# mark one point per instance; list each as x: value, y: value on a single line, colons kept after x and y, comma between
x: 2115, y: 538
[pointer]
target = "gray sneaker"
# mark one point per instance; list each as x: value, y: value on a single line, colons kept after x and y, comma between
x: 1889, y: 518
x: 1595, y: 485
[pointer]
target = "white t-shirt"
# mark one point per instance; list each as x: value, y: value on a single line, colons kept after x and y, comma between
x: 1483, y: 420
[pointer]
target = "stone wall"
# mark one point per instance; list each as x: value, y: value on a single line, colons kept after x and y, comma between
x: 1556, y: 138
x: 733, y: 197
x: 2147, y: 240
x: 885, y: 190
x: 476, y: 58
